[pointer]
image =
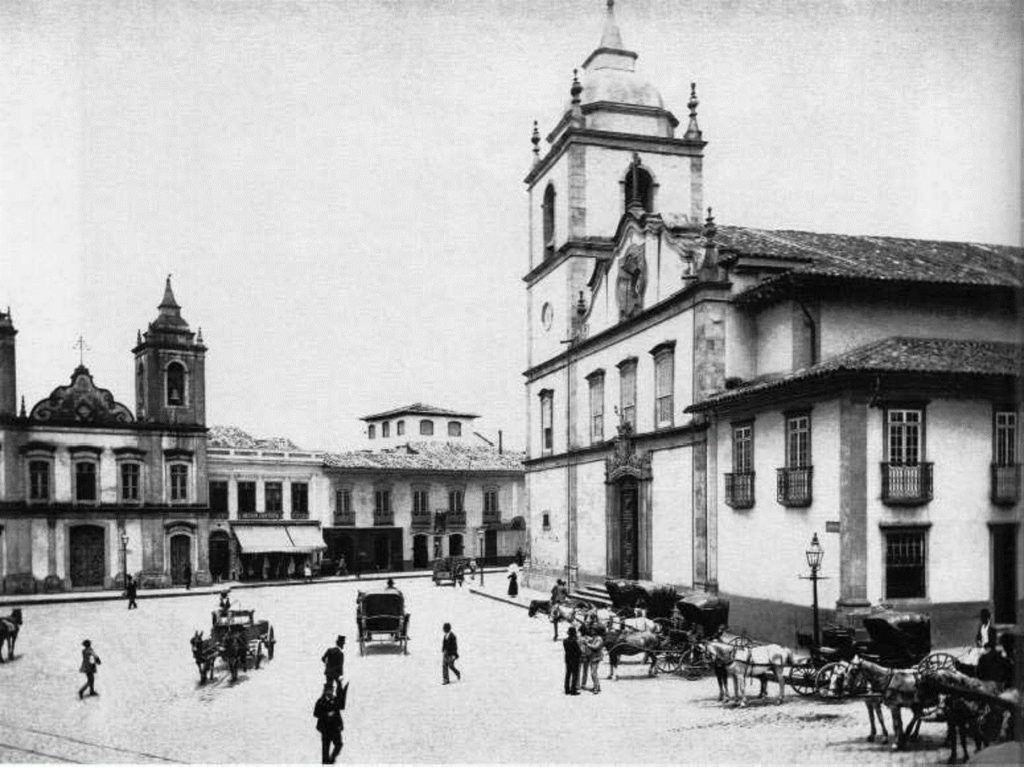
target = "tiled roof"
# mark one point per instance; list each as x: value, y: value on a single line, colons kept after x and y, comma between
x: 895, y: 355
x: 428, y: 456
x: 878, y: 258
x: 233, y: 437
x: 418, y: 408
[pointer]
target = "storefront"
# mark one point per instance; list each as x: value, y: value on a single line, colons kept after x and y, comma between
x: 276, y: 551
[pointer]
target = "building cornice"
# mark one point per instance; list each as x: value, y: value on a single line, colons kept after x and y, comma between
x: 596, y: 248
x: 661, y: 439
x: 675, y: 304
x: 16, y: 423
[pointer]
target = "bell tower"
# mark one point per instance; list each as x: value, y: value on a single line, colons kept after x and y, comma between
x: 170, y: 369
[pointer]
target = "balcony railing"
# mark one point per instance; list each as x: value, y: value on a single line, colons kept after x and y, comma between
x: 906, y: 485
x: 794, y: 486
x: 344, y: 519
x: 739, y: 490
x: 1006, y: 484
x: 492, y: 517
x: 260, y: 515
x: 383, y: 518
x: 422, y: 520
x: 300, y: 514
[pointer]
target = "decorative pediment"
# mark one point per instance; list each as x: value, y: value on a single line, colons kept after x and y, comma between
x: 625, y: 460
x: 81, y: 402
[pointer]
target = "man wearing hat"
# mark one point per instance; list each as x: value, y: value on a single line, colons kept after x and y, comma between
x: 329, y: 723
x: 90, y: 660
x: 334, y: 661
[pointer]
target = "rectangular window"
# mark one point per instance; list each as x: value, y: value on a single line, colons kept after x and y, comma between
x: 343, y: 501
x: 1006, y: 438
x: 382, y: 502
x: 300, y: 498
x: 664, y: 378
x: 904, y: 432
x: 547, y: 434
x: 627, y: 393
x: 130, y: 474
x: 85, y: 481
x: 400, y: 428
x: 385, y: 430
x: 798, y: 442
x: 743, y: 448
x: 597, y: 409
x: 371, y: 431
x: 39, y: 480
x: 454, y: 429
x: 179, y: 482
x: 455, y: 500
x: 272, y: 497
x: 905, y: 561
x: 426, y: 428
x: 219, y: 496
x: 420, y: 501
x: 246, y: 497
x: 490, y: 501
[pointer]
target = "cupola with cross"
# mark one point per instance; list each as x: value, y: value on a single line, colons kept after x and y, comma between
x: 170, y: 368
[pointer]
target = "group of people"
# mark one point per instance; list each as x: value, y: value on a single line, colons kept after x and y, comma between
x: 996, y: 654
x: 584, y: 652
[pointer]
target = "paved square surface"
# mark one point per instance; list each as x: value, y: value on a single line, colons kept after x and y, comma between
x: 509, y: 706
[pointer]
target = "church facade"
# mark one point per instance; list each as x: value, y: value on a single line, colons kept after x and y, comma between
x: 89, y: 488
x: 703, y: 399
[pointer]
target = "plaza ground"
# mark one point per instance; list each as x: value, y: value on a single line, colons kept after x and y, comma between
x: 509, y: 706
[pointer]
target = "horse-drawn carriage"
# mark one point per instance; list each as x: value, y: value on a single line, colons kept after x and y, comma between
x: 381, y: 617
x: 447, y: 570
x: 236, y: 637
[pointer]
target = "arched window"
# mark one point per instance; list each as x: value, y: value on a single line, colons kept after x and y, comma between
x: 175, y: 384
x: 644, y: 185
x: 549, y: 221
x: 454, y: 429
x: 427, y: 428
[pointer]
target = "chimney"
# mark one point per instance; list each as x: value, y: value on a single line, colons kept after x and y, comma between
x: 500, y: 450
x: 8, y: 369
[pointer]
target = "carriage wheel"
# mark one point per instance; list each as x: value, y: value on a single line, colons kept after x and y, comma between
x: 937, y: 661
x: 802, y: 677
x: 694, y: 662
x: 830, y: 682
x: 669, y: 662
x: 259, y: 652
x: 270, y: 643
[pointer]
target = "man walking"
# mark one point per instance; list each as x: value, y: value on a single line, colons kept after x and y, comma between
x: 573, y: 656
x: 90, y: 660
x: 334, y: 661
x: 131, y: 591
x: 187, y: 575
x: 329, y: 724
x: 449, y: 654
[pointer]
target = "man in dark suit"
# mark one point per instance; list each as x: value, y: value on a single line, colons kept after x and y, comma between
x: 131, y: 590
x: 334, y: 661
x: 449, y: 654
x: 329, y: 724
x: 573, y: 657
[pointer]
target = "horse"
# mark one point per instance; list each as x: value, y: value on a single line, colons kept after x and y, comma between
x: 741, y: 663
x: 844, y: 680
x: 235, y: 651
x: 964, y: 716
x: 204, y: 653
x: 630, y: 641
x: 9, y: 628
x: 899, y: 688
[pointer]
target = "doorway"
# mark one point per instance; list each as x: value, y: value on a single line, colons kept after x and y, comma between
x: 181, y: 556
x: 455, y: 545
x: 628, y: 530
x: 220, y: 555
x: 490, y: 545
x: 420, y: 557
x: 1004, y: 573
x: 88, y: 556
x: 382, y: 552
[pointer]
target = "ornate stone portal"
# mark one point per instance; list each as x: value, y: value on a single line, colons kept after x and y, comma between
x: 628, y: 508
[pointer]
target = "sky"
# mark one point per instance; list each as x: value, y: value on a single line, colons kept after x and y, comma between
x: 336, y: 187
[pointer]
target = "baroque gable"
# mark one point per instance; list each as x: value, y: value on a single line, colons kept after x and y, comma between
x: 80, y: 402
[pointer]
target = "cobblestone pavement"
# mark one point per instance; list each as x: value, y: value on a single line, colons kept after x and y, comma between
x: 509, y: 706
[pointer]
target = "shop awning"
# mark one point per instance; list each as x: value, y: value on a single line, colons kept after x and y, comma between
x: 306, y: 538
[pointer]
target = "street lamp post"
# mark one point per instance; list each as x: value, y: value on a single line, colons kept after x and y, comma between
x: 480, y: 553
x: 124, y: 559
x: 814, y: 555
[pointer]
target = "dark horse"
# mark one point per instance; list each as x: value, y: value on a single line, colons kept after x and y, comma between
x: 235, y: 651
x: 9, y: 627
x: 630, y: 641
x: 204, y: 652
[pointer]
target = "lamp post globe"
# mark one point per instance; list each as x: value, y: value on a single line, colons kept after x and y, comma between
x: 124, y: 559
x: 814, y: 556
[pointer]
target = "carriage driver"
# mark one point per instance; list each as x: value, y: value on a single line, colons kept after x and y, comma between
x: 225, y: 601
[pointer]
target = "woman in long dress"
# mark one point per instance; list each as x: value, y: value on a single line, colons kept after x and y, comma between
x: 513, y: 580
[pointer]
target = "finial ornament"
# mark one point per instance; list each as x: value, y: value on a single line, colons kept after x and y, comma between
x: 199, y: 335
x: 81, y: 345
x: 535, y: 140
x: 693, y: 130
x: 22, y: 414
x: 576, y: 88
x: 709, y: 226
x: 581, y: 305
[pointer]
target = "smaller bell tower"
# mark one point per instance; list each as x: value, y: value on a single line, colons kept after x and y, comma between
x: 170, y: 369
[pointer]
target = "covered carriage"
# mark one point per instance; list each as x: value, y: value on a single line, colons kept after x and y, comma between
x: 657, y: 599
x: 381, y: 617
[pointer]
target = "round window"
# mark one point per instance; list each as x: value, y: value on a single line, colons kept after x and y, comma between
x: 547, y: 316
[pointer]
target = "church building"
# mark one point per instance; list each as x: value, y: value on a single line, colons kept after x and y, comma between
x: 704, y: 399
x: 89, y: 488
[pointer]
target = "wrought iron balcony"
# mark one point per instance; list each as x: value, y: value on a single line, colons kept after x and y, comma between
x: 1005, y: 484
x: 492, y: 517
x: 739, y: 490
x: 260, y: 515
x: 383, y: 518
x: 300, y: 514
x: 422, y: 520
x: 794, y: 486
x: 344, y: 519
x: 455, y: 519
x: 906, y: 485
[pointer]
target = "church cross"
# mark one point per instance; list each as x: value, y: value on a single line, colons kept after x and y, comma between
x: 81, y: 345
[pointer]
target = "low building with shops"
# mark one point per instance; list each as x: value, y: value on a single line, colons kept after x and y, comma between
x: 405, y: 505
x: 267, y: 498
x: 89, y: 488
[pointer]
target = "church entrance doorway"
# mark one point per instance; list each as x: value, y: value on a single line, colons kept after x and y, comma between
x: 181, y: 556
x: 420, y: 557
x: 629, y: 539
x: 88, y: 556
